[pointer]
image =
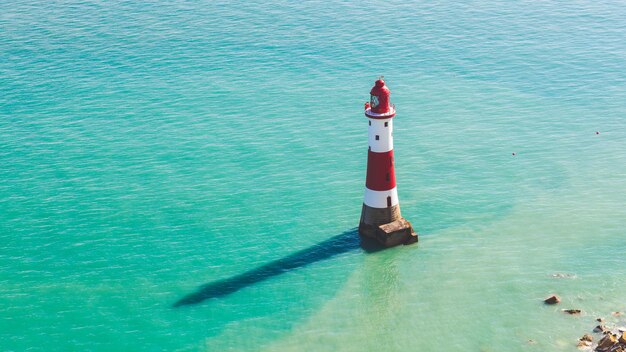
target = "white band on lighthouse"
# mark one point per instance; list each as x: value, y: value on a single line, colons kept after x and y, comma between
x: 379, y: 135
x: 381, y: 199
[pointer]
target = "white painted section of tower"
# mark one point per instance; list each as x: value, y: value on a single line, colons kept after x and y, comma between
x: 378, y: 199
x: 385, y: 135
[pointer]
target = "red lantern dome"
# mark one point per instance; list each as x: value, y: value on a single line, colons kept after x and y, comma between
x: 379, y: 99
x: 379, y: 106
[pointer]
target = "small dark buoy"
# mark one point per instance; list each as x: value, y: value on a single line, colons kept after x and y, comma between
x: 597, y: 132
x: 513, y: 154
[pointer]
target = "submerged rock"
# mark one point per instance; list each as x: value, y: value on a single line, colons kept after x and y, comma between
x: 572, y: 311
x: 583, y: 344
x: 563, y: 276
x: 554, y: 299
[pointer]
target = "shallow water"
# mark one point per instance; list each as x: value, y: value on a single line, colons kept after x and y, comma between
x: 148, y: 150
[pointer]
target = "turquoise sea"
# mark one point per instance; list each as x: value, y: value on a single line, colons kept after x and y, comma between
x: 213, y: 154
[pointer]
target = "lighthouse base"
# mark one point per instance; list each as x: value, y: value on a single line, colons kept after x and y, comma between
x: 386, y: 226
x: 390, y: 234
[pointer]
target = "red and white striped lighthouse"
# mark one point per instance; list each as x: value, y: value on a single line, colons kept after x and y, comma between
x: 380, y: 217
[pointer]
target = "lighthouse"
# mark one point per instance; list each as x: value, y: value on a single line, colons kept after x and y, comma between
x: 381, y: 219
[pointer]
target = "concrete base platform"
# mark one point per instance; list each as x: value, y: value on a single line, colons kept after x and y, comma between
x: 390, y: 234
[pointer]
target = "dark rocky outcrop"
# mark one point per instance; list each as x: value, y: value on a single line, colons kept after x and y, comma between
x: 554, y: 299
x: 611, y: 343
x: 606, y: 343
x: 612, y: 336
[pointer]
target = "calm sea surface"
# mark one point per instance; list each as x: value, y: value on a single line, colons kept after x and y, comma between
x: 148, y: 151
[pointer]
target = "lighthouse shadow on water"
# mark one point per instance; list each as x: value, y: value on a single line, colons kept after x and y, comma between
x: 338, y: 244
x: 381, y: 223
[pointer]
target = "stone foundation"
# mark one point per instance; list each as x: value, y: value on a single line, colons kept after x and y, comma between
x: 386, y: 226
x: 379, y: 216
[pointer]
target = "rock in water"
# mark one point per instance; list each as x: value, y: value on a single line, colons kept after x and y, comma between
x: 572, y: 311
x: 554, y: 299
x: 622, y: 339
x: 600, y: 328
x: 586, y: 337
x: 605, y: 344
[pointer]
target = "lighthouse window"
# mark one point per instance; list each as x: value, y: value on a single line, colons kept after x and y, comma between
x: 388, y: 201
x: 377, y: 137
x: 370, y: 122
x: 387, y: 177
x: 386, y: 124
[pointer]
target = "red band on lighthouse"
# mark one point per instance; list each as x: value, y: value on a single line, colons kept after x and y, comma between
x: 380, y: 171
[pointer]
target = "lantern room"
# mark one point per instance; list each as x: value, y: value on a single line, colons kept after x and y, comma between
x: 379, y: 97
x: 379, y: 106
